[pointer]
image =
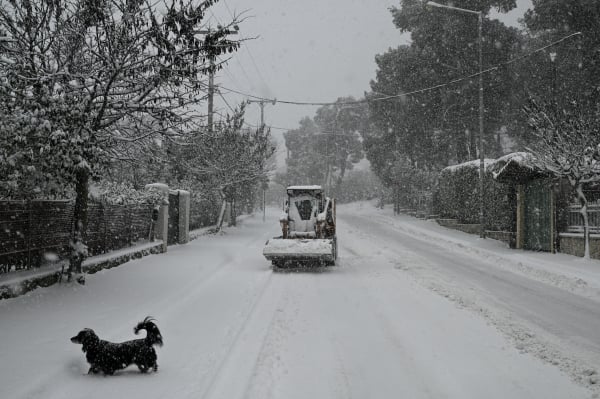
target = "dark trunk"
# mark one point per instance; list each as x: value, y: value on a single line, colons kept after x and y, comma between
x: 222, y: 211
x: 584, y: 215
x: 473, y: 153
x: 78, y: 238
x: 461, y: 147
x: 233, y: 214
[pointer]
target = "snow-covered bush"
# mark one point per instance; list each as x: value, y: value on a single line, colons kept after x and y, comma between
x: 457, y: 197
x: 359, y: 185
x: 40, y: 152
x: 124, y: 194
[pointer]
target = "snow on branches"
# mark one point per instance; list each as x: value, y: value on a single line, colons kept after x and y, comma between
x: 97, y: 77
x: 568, y: 146
x: 82, y: 81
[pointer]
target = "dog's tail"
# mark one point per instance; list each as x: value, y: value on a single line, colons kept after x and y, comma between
x: 153, y: 335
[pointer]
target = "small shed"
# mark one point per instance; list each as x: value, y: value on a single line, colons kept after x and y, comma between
x: 536, y: 203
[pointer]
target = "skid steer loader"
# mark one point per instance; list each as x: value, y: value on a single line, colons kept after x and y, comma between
x: 308, y: 229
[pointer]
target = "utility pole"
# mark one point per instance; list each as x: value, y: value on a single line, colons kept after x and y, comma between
x: 481, y: 112
x: 481, y: 106
x: 261, y: 103
x: 211, y: 78
x: 211, y: 95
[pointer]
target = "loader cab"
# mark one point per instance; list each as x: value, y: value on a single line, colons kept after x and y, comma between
x: 306, y: 200
x: 303, y: 205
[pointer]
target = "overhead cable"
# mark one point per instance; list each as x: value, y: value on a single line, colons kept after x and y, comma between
x: 419, y: 91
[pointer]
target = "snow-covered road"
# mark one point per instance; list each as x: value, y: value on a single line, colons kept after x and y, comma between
x: 403, y: 315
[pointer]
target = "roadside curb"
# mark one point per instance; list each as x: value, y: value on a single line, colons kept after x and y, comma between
x: 52, y: 274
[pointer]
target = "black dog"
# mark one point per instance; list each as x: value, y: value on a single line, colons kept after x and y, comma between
x: 108, y: 357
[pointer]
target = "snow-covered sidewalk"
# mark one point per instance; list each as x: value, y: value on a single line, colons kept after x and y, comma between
x: 568, y: 272
x: 16, y: 283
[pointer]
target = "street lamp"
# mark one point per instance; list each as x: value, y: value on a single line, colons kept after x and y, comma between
x: 553, y: 60
x: 480, y: 140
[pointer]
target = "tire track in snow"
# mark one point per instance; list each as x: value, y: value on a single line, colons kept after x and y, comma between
x: 360, y: 274
x: 242, y: 344
x: 46, y: 386
x: 255, y: 286
x: 169, y: 307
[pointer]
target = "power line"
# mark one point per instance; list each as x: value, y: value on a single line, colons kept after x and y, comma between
x: 242, y: 38
x: 226, y: 103
x: 419, y: 91
x: 320, y: 133
x: 260, y: 75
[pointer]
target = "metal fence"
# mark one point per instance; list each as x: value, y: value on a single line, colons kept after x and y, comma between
x: 575, y: 219
x: 29, y: 230
x: 203, y: 213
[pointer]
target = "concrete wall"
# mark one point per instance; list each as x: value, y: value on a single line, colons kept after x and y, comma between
x: 161, y: 228
x: 572, y: 244
x: 184, y: 216
x: 451, y: 223
x: 468, y: 228
x: 505, y: 236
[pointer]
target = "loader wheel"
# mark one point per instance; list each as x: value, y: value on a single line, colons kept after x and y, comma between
x: 335, y: 250
x: 335, y: 247
x: 277, y: 264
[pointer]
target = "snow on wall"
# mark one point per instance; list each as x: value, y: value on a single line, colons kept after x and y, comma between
x: 470, y: 164
x: 524, y: 159
x: 304, y: 188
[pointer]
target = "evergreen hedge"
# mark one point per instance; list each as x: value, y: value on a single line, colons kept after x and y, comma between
x: 457, y: 197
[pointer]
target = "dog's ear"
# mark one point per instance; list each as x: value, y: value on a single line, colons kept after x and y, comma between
x: 88, y: 337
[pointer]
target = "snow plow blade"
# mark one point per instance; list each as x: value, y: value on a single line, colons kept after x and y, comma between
x: 281, y: 250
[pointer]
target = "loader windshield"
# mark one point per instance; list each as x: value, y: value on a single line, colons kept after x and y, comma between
x: 305, y: 208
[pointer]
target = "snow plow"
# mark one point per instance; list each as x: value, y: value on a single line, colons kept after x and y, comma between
x: 307, y: 227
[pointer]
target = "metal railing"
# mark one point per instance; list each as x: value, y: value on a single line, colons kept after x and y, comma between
x: 575, y: 219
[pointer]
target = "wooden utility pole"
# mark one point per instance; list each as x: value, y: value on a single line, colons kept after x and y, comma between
x: 211, y: 79
x: 261, y: 104
x: 211, y: 95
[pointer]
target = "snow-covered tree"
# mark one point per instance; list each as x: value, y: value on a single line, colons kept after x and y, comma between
x: 233, y: 159
x: 325, y: 147
x: 80, y: 81
x: 568, y: 146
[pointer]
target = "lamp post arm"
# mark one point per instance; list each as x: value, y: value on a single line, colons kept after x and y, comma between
x: 434, y: 4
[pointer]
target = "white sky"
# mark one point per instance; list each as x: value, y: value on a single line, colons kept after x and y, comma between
x: 308, y: 50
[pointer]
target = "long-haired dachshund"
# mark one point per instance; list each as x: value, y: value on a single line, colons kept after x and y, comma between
x: 108, y: 357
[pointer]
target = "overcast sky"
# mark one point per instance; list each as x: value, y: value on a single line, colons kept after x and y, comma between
x: 308, y: 50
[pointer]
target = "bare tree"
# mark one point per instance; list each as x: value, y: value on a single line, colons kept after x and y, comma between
x: 568, y: 147
x: 234, y: 159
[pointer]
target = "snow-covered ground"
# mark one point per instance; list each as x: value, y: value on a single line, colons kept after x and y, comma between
x: 412, y: 311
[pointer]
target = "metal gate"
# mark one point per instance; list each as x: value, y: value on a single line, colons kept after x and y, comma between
x: 173, y: 231
x: 538, y: 216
